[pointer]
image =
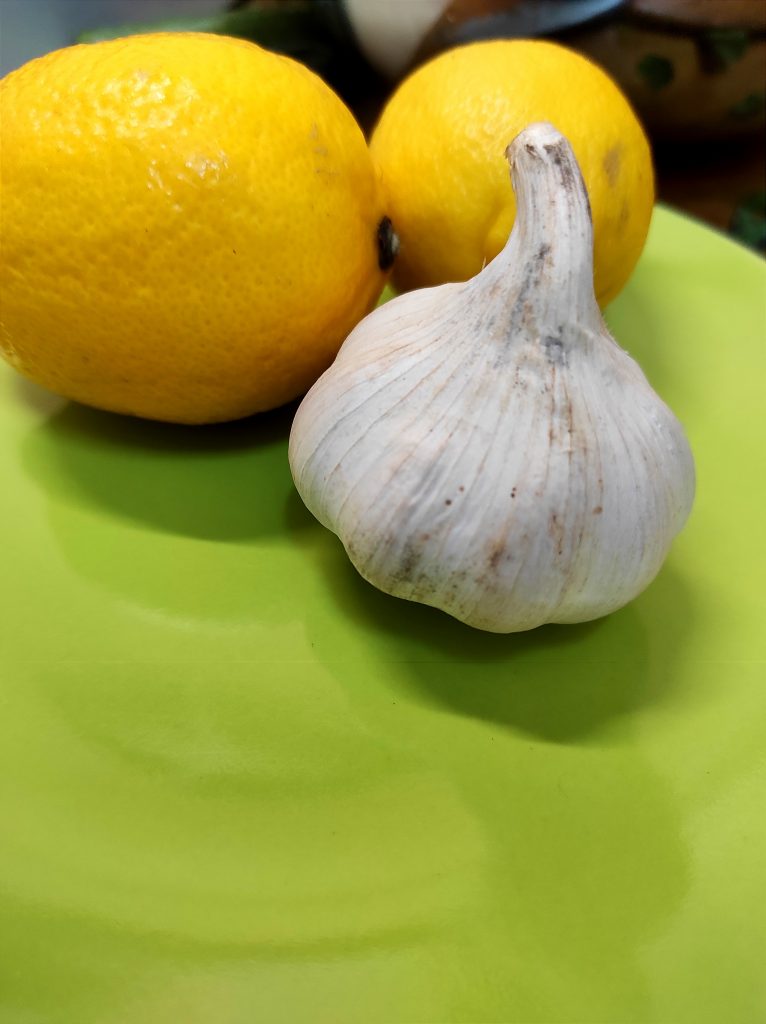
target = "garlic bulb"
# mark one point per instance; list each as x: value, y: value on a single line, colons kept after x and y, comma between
x: 486, y: 447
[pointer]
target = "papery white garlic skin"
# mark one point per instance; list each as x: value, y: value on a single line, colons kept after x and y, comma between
x: 487, y: 447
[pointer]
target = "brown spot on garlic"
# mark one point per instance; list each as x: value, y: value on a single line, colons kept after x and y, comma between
x: 556, y: 532
x: 496, y: 554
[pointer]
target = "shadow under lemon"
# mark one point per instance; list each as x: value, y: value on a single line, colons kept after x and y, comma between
x: 220, y: 482
x: 178, y: 521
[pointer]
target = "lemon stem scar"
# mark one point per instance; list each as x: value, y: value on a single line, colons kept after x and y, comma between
x: 388, y: 244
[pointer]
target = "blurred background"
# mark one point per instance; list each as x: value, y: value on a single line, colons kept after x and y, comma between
x: 695, y: 70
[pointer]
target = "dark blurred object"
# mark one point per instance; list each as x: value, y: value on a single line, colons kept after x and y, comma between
x: 724, y: 185
x: 693, y: 69
x: 397, y: 37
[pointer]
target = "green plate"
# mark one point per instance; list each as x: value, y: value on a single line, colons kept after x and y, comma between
x: 240, y: 785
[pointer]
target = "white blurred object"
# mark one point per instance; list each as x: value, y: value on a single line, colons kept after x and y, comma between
x: 390, y: 31
x: 30, y: 28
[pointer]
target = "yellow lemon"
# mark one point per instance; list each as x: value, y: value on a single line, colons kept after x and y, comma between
x: 440, y: 145
x: 191, y: 225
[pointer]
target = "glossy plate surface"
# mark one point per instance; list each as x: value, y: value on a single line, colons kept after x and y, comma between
x: 237, y: 784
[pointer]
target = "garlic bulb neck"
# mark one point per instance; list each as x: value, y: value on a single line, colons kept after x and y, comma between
x: 486, y: 447
x: 552, y: 236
